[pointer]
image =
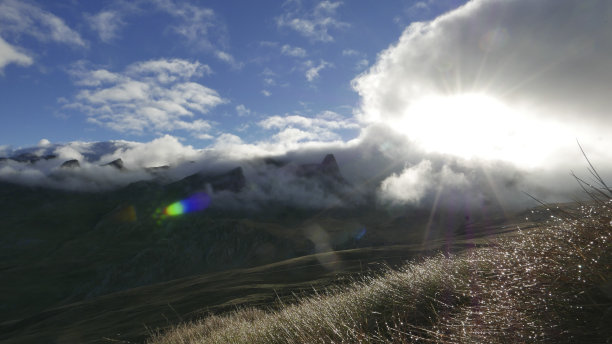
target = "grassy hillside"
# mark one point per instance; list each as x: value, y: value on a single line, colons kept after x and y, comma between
x: 59, y: 247
x: 551, y: 283
x: 131, y: 315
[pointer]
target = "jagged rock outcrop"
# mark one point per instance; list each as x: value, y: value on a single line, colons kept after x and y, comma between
x: 327, y: 169
x: 232, y: 180
x: 117, y: 163
x: 157, y: 169
x: 73, y: 163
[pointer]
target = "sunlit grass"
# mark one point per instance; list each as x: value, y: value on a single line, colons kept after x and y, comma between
x: 546, y: 284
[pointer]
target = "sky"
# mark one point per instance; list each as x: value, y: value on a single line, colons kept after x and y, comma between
x: 438, y: 87
x: 136, y: 70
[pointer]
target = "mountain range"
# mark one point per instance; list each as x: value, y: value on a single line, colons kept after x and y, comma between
x: 61, y: 246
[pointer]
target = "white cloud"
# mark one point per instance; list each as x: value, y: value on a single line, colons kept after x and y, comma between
x: 546, y: 65
x: 155, y: 95
x: 165, y: 150
x: 242, y: 110
x: 106, y: 24
x: 409, y: 186
x: 266, y: 93
x: 327, y: 119
x: 43, y: 143
x: 293, y: 51
x: 412, y: 184
x: 21, y: 18
x: 204, y: 136
x: 297, y: 128
x: 312, y: 72
x: 314, y: 23
x: 268, y: 44
x: 167, y: 71
x: 10, y: 54
x: 229, y: 59
x: 350, y: 52
x: 361, y: 64
x: 199, y: 25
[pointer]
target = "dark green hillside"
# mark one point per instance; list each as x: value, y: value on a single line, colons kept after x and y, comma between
x: 131, y: 314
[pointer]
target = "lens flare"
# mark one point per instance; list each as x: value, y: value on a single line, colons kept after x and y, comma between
x: 197, y: 202
x: 361, y: 233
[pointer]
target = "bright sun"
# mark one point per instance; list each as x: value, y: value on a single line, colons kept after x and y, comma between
x: 478, y: 126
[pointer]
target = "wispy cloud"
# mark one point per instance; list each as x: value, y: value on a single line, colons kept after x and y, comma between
x: 242, y: 110
x: 361, y: 64
x: 9, y: 54
x: 18, y: 18
x: 350, y: 52
x: 150, y: 96
x: 314, y: 23
x: 201, y: 27
x: 21, y: 18
x: 293, y: 51
x: 194, y: 22
x: 266, y: 93
x: 229, y: 59
x: 106, y: 24
x: 313, y: 70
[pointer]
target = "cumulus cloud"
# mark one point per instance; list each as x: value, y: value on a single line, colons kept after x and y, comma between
x: 545, y: 65
x: 266, y: 93
x: 155, y: 95
x: 22, y: 18
x: 9, y: 54
x: 106, y: 24
x: 293, y: 51
x: 411, y: 185
x: 314, y: 23
x: 313, y: 70
x: 294, y: 130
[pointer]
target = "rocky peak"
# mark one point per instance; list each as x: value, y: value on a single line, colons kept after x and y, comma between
x: 329, y: 165
x: 232, y: 180
x: 73, y: 163
x: 117, y: 163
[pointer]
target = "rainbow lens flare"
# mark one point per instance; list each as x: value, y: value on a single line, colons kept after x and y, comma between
x: 197, y: 202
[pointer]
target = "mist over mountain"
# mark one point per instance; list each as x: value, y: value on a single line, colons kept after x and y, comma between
x: 389, y: 169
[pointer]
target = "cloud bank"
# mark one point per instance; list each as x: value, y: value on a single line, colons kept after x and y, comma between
x: 466, y: 111
x: 523, y: 77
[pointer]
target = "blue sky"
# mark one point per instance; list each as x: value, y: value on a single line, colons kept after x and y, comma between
x: 256, y: 59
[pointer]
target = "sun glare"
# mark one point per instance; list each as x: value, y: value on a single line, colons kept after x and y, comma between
x: 479, y: 126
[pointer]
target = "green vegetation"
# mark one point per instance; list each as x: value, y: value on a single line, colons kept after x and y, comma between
x: 550, y: 283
